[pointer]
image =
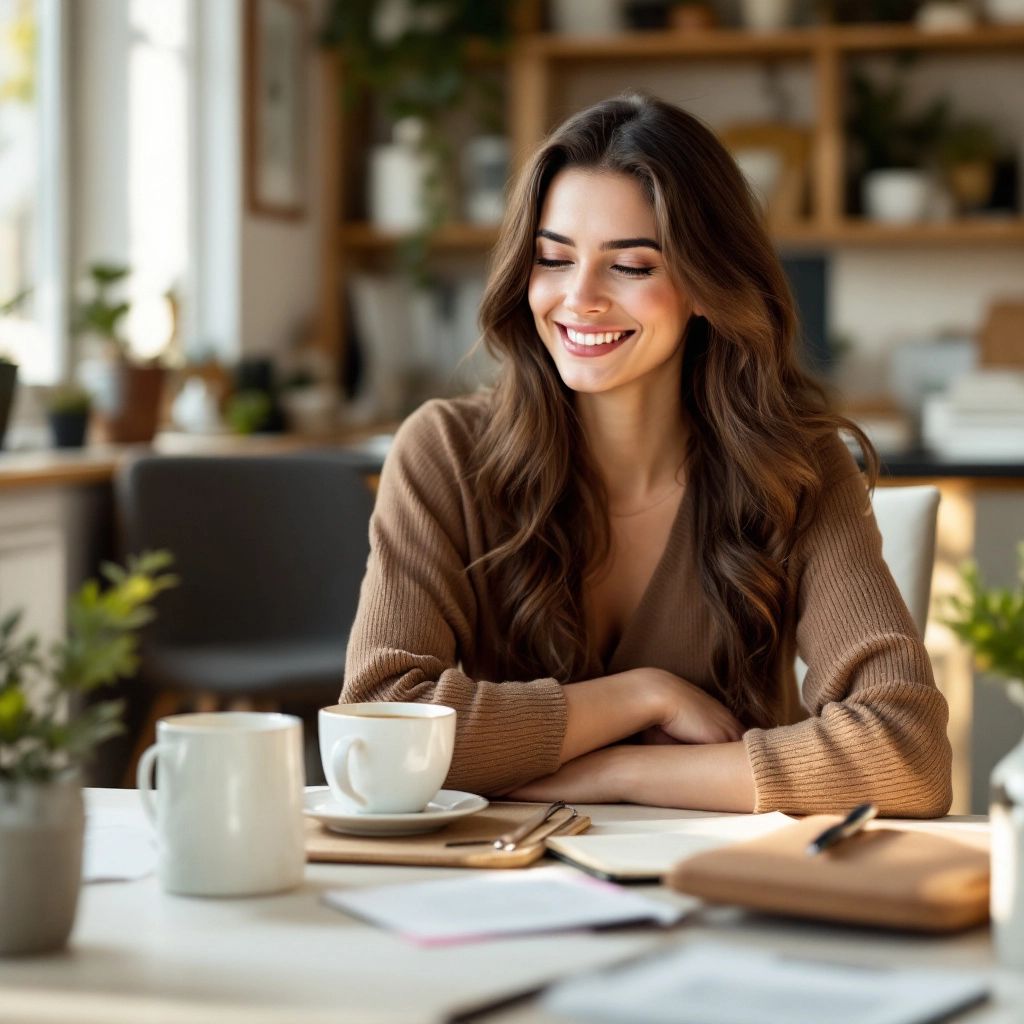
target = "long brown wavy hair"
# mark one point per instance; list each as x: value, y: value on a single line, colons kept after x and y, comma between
x: 756, y: 418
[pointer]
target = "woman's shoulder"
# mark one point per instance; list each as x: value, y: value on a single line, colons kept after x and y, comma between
x: 443, y: 430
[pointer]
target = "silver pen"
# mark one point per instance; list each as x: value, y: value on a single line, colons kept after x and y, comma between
x: 849, y: 826
x: 511, y: 839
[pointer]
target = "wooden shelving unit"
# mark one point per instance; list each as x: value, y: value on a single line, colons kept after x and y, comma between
x: 536, y: 61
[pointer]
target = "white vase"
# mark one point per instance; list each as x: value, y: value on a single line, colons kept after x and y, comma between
x: 42, y: 827
x: 767, y: 15
x: 1006, y: 812
x: 897, y: 195
x: 399, y: 179
x: 586, y: 17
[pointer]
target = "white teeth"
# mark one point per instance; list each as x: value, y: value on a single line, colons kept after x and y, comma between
x: 604, y: 338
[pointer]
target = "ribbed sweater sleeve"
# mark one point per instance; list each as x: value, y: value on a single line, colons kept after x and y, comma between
x: 418, y: 617
x: 877, y: 729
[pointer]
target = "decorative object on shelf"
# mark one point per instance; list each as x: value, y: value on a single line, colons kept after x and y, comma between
x: 485, y: 164
x: 413, y: 60
x: 767, y: 15
x: 693, y: 17
x: 773, y: 157
x: 309, y: 399
x: 276, y: 62
x: 1004, y: 12
x: 126, y: 396
x: 67, y: 410
x: 968, y: 151
x: 991, y: 622
x: 43, y: 745
x: 896, y: 148
x: 647, y: 15
x: 945, y: 16
x: 254, y: 406
x: 402, y: 176
x: 8, y: 382
x: 587, y: 17
x: 195, y: 409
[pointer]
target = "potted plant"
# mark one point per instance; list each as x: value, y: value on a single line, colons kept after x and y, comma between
x: 8, y: 380
x: 968, y: 151
x: 67, y: 410
x: 896, y: 147
x: 126, y: 395
x: 43, y: 744
x: 414, y: 57
x: 991, y: 622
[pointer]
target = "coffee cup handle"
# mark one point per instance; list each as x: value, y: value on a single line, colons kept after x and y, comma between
x: 340, y: 754
x: 144, y: 781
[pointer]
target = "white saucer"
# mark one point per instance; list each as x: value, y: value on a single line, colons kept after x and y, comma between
x: 447, y: 806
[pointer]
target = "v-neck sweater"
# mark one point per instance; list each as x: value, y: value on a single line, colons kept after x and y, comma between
x: 869, y: 723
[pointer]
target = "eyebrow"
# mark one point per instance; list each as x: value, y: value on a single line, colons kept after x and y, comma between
x: 617, y: 243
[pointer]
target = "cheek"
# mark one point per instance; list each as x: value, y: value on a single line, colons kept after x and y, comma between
x: 540, y: 295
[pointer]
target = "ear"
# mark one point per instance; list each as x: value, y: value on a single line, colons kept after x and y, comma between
x: 698, y: 310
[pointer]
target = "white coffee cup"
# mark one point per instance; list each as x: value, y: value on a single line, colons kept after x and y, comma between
x: 386, y: 757
x: 228, y: 804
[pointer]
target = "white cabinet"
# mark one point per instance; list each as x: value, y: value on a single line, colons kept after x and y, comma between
x: 33, y: 560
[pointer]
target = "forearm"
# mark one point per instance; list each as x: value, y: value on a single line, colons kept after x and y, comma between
x: 605, y: 710
x: 708, y: 777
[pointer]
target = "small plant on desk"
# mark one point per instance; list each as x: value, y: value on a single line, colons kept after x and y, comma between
x: 43, y: 744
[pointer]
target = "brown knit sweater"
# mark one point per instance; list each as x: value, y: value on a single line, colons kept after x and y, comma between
x: 870, y: 725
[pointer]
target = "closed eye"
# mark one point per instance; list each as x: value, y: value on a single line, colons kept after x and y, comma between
x: 549, y: 264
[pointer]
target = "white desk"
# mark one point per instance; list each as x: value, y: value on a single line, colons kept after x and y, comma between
x: 140, y: 956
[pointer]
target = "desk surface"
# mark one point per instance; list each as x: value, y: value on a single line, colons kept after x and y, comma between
x: 138, y: 954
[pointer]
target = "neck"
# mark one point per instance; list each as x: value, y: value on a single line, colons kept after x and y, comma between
x: 637, y: 440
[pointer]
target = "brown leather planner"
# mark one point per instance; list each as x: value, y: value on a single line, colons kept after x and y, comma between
x: 884, y: 876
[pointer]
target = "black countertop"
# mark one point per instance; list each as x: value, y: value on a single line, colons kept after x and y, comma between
x: 922, y: 463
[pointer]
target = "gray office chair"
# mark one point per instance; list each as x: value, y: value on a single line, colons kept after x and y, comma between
x: 271, y: 551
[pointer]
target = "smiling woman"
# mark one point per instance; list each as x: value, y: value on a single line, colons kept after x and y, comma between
x: 608, y: 563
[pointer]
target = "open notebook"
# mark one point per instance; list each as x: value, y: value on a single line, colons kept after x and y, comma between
x: 636, y: 851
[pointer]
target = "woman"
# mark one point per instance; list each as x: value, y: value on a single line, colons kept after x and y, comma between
x: 632, y: 536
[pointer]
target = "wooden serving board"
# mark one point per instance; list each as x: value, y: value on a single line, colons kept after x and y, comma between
x: 430, y: 849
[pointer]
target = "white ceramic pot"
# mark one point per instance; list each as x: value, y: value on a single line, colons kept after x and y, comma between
x: 897, y: 195
x: 1005, y: 12
x: 399, y: 180
x: 767, y: 15
x: 1006, y: 812
x: 42, y: 828
x: 586, y: 17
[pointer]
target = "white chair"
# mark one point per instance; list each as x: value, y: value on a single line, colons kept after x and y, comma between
x: 906, y: 519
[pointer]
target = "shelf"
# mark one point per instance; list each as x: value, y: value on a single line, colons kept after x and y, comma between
x: 365, y: 237
x: 792, y: 43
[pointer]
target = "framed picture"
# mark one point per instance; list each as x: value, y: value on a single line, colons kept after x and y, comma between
x: 276, y: 63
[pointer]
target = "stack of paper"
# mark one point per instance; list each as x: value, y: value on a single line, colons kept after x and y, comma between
x: 500, y: 903
x: 701, y: 985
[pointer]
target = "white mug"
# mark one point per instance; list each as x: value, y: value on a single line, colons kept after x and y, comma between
x: 386, y: 757
x: 228, y: 804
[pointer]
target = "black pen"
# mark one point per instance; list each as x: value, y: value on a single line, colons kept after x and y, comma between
x: 850, y: 825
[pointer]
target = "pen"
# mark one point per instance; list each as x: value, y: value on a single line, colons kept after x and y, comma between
x: 850, y: 825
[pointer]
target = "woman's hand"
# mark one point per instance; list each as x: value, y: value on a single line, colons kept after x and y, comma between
x: 589, y: 779
x: 687, y: 713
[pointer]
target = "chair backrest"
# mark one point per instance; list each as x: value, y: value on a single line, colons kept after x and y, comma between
x: 906, y: 519
x: 267, y: 547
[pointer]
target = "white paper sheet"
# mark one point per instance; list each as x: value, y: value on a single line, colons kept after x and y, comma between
x: 499, y: 903
x: 648, y: 849
x: 118, y: 846
x: 698, y: 985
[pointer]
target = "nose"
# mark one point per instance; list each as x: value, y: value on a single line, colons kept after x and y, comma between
x: 586, y: 294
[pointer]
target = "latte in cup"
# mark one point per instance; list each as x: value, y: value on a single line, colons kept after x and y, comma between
x: 386, y: 757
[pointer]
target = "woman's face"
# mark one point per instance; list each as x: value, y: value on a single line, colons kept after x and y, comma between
x: 600, y: 292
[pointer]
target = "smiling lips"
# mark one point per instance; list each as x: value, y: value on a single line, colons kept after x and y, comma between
x: 592, y: 342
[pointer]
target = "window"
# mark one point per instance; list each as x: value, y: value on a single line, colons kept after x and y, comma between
x: 31, y: 189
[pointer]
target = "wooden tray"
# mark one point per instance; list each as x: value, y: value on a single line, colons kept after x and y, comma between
x: 430, y: 850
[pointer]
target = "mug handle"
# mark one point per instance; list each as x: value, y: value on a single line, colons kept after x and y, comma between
x: 144, y: 781
x: 340, y: 755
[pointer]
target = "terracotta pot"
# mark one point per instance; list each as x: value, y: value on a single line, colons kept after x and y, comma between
x: 132, y: 413
x: 42, y: 827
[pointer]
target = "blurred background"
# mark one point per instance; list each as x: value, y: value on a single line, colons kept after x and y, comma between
x: 255, y: 224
